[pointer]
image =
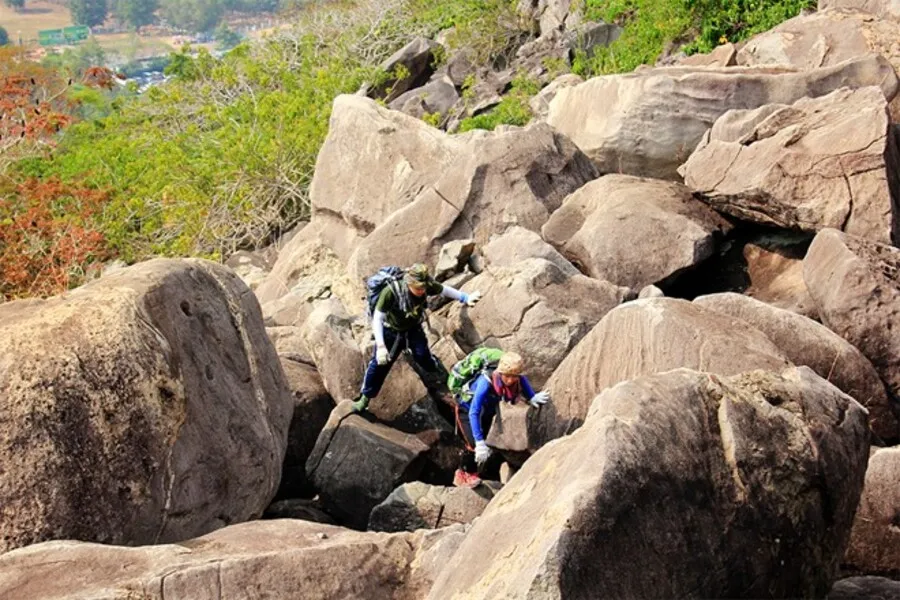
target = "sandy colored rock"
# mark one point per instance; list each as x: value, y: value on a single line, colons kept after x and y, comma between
x: 148, y: 406
x: 641, y: 338
x: 775, y: 271
x: 823, y: 162
x: 262, y: 559
x: 875, y: 540
x: 676, y: 486
x: 634, y: 232
x: 518, y: 244
x: 806, y: 342
x: 855, y: 286
x: 648, y: 122
x: 535, y: 309
x: 824, y: 38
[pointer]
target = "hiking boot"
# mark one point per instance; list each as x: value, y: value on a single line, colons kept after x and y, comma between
x: 361, y: 404
x: 468, y: 480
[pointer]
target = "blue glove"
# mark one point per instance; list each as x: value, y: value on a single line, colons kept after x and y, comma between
x: 539, y: 399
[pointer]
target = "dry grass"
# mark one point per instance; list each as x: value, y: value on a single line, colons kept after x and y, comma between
x: 35, y: 16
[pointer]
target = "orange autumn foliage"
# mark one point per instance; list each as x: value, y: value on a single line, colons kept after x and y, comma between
x: 47, y: 243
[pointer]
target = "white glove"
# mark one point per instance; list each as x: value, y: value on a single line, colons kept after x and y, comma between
x: 473, y: 298
x: 482, y: 452
x: 381, y: 355
x: 539, y: 399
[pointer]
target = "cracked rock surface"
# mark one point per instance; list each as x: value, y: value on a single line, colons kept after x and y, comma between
x: 285, y: 558
x: 823, y: 162
x: 634, y: 231
x: 751, y: 481
x: 535, y: 308
x: 875, y: 538
x: 148, y: 406
x: 641, y: 338
x: 856, y: 288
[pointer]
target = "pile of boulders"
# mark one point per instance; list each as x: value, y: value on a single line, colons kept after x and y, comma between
x: 697, y: 261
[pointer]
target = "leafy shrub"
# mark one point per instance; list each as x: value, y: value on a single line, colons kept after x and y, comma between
x: 698, y: 24
x: 47, y: 238
x: 512, y: 110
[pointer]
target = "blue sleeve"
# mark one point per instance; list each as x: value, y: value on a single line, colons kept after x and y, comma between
x: 527, y: 390
x: 482, y: 387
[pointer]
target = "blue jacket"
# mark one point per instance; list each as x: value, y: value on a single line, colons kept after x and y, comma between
x: 485, y: 401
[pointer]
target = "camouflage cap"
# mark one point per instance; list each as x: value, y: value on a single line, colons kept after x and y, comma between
x: 417, y: 275
x: 511, y: 364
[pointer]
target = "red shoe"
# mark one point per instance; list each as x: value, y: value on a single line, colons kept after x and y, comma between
x: 463, y: 479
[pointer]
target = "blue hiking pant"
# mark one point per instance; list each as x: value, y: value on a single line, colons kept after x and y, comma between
x: 413, y: 340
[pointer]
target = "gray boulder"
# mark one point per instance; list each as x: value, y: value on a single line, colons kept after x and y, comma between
x: 146, y: 407
x: 678, y: 486
x: 356, y: 464
x: 634, y: 232
x: 822, y: 162
x: 648, y: 122
x: 641, y: 338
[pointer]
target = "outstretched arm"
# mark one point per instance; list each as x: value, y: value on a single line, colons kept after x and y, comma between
x: 455, y: 294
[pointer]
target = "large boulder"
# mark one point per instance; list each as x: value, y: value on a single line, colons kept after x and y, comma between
x: 312, y: 407
x: 147, y: 406
x: 498, y: 180
x: 518, y: 244
x: 889, y: 9
x: 309, y: 270
x: 855, y: 287
x: 682, y: 484
x: 647, y: 123
x: 806, y: 342
x: 356, y: 464
x: 641, y: 338
x: 865, y: 588
x: 263, y: 559
x: 418, y: 505
x: 397, y: 198
x: 824, y: 38
x: 535, y: 309
x: 821, y: 162
x: 634, y: 232
x: 875, y: 540
x: 329, y: 338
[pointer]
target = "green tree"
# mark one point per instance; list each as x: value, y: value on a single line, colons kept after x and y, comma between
x: 252, y: 6
x: 4, y: 37
x: 193, y: 15
x: 226, y: 37
x: 88, y: 12
x: 136, y: 13
x: 16, y: 4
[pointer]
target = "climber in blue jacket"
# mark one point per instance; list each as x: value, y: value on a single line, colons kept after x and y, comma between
x: 477, y: 407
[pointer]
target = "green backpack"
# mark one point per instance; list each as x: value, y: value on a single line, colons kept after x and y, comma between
x: 467, y: 369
